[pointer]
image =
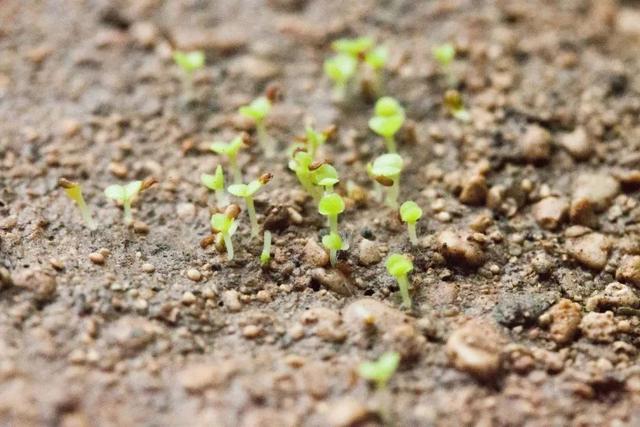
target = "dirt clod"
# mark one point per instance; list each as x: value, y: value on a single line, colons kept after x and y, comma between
x: 457, y: 246
x: 563, y: 320
x: 590, y: 250
x: 475, y: 348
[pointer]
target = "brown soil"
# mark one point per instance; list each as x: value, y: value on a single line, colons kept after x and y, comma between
x: 531, y: 214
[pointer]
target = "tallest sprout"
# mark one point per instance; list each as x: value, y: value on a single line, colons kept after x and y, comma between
x: 331, y: 205
x: 258, y: 111
x: 74, y: 192
x: 410, y: 213
x: 387, y: 120
x: 386, y: 172
x: 246, y: 191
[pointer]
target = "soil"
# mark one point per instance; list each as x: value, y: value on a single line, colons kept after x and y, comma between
x: 525, y: 282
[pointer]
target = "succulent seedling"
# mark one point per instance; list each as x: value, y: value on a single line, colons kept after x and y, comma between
x: 225, y: 224
x: 386, y: 172
x: 301, y: 165
x: 333, y: 243
x: 340, y: 69
x: 410, y: 213
x: 381, y: 370
x: 230, y: 150
x: 399, y: 266
x: 126, y: 194
x: 258, y: 110
x: 331, y: 205
x: 265, y: 255
x: 246, y: 191
x: 455, y: 106
x: 74, y: 192
x: 215, y: 183
x: 387, y: 120
x: 326, y: 176
x: 444, y: 54
x: 189, y: 62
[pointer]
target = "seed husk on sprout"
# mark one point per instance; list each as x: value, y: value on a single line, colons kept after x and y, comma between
x: 74, y: 192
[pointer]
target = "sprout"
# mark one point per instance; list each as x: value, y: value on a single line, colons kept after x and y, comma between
x: 410, y: 213
x: 258, y: 111
x: 314, y: 140
x: 388, y: 119
x: 399, y: 266
x: 444, y: 54
x: 380, y: 371
x: 126, y: 194
x: 356, y: 47
x: 189, y: 62
x: 340, y: 69
x: 216, y: 183
x: 331, y: 205
x: 455, y: 106
x: 265, y: 255
x: 386, y: 172
x: 246, y: 191
x: 326, y: 176
x: 225, y: 224
x: 301, y: 165
x: 231, y: 151
x: 74, y: 192
x: 333, y: 242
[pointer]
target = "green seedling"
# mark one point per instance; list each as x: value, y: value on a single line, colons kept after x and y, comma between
x: 258, y: 111
x: 189, y: 62
x: 340, y: 69
x: 410, y: 213
x: 331, y: 205
x: 386, y: 171
x: 230, y: 150
x: 381, y: 370
x: 126, y: 194
x: 333, y: 243
x: 326, y: 176
x: 215, y: 183
x: 387, y: 120
x: 361, y: 51
x: 399, y: 267
x: 74, y: 192
x: 301, y: 164
x: 315, y: 140
x: 225, y: 224
x: 265, y: 255
x: 445, y: 54
x: 246, y: 191
x: 355, y: 48
x: 455, y: 106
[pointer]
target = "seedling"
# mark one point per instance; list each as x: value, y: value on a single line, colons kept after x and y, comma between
x: 258, y: 111
x: 399, y: 267
x: 74, y: 192
x: 189, y: 62
x: 126, y: 194
x: 445, y: 54
x: 388, y: 119
x: 410, y: 213
x: 381, y: 370
x: 333, y: 243
x: 265, y: 256
x: 355, y: 48
x: 301, y: 165
x: 340, y: 69
x: 331, y: 205
x: 455, y: 106
x: 230, y: 150
x: 246, y: 191
x: 326, y: 176
x: 225, y: 224
x: 386, y: 172
x: 216, y: 183
x: 314, y: 140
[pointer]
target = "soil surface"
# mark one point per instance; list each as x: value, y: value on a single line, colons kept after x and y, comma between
x: 525, y: 288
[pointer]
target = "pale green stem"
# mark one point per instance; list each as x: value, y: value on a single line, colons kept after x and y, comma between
x: 265, y: 256
x: 403, y: 283
x: 340, y: 92
x: 392, y: 194
x: 333, y: 223
x: 221, y: 198
x: 128, y: 218
x: 252, y: 216
x: 86, y: 214
x: 264, y: 139
x: 390, y: 143
x: 235, y: 170
x: 333, y: 257
x: 328, y: 189
x: 411, y: 228
x: 228, y: 244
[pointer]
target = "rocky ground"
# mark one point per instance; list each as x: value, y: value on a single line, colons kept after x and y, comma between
x: 525, y: 287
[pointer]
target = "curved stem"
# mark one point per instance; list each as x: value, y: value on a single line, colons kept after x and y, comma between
x: 252, y: 216
x: 390, y: 143
x: 228, y: 244
x: 411, y: 228
x: 265, y: 256
x: 403, y: 283
x: 86, y: 214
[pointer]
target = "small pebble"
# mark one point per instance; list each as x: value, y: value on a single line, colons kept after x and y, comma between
x: 314, y: 254
x: 599, y: 327
x: 140, y: 227
x: 188, y: 298
x: 148, y: 267
x: 536, y: 144
x: 563, y: 320
x: 369, y: 252
x: 186, y: 211
x: 97, y: 258
x: 456, y: 246
x: 629, y: 270
x: 615, y: 295
x: 194, y: 275
x: 250, y: 331
x: 231, y: 300
x: 118, y: 170
x: 550, y: 212
x: 578, y: 144
x: 599, y: 188
x: 590, y: 250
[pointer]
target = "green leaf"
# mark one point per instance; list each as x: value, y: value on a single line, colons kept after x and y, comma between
x: 410, y: 212
x: 228, y: 149
x: 353, y: 47
x: 253, y: 187
x: 388, y: 106
x: 132, y: 189
x: 239, y: 190
x: 398, y: 265
x: 386, y: 126
x: 331, y: 204
x: 222, y: 223
x: 326, y: 175
x: 388, y: 165
x: 444, y: 54
x: 189, y: 61
x: 332, y: 241
x: 213, y: 182
x: 340, y: 68
x: 380, y: 370
x: 115, y: 192
x: 377, y: 58
x: 257, y: 110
